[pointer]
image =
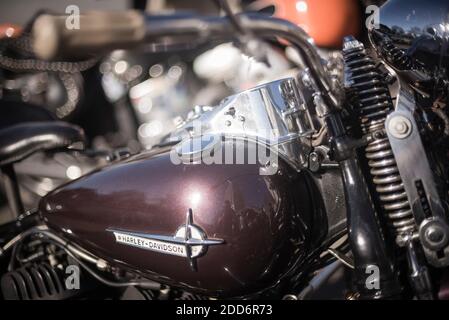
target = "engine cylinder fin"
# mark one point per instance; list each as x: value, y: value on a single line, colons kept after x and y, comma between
x: 35, y: 282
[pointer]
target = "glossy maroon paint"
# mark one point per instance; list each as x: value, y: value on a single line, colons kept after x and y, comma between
x: 269, y: 223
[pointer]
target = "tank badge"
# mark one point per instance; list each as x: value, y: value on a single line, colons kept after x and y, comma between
x: 189, y: 241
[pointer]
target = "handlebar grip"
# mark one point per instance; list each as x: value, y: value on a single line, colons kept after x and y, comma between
x: 97, y: 32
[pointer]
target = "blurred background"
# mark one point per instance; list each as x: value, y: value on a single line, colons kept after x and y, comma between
x: 130, y: 100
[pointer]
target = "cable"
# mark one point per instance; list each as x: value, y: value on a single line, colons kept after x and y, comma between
x: 73, y: 252
x: 23, y: 45
x: 249, y: 44
x: 319, y: 280
x: 144, y: 284
x: 224, y: 4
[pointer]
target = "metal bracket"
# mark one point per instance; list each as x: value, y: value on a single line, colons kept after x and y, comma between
x: 415, y: 171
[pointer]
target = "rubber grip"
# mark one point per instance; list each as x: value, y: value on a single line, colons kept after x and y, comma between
x: 56, y: 37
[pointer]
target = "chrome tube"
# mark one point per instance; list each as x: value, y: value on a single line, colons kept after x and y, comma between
x: 169, y: 30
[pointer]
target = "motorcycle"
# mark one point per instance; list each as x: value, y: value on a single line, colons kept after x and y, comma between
x: 268, y: 194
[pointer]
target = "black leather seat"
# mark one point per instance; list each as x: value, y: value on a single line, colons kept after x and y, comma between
x: 21, y: 140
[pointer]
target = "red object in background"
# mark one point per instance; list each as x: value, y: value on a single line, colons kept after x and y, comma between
x: 327, y: 21
x: 9, y: 30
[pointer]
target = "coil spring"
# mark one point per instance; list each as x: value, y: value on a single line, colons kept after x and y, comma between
x: 374, y: 104
x: 397, y: 56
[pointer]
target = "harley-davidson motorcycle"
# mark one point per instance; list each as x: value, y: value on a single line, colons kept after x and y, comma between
x: 267, y: 195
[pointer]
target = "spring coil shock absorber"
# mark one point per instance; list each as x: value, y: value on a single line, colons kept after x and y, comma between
x: 374, y: 105
x: 396, y: 56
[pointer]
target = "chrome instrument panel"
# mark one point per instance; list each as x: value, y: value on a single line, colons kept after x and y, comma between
x: 275, y: 114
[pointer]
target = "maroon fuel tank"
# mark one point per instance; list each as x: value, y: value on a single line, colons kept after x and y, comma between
x: 246, y: 231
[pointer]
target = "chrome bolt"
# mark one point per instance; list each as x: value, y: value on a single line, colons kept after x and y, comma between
x: 314, y: 162
x: 400, y: 127
x: 435, y: 234
x: 306, y: 78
